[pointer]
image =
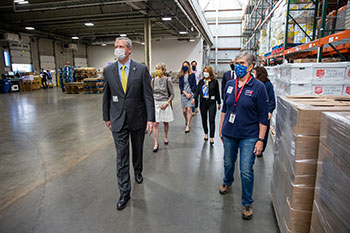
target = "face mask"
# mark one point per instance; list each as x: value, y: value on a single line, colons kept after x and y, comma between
x: 240, y: 70
x: 159, y: 73
x: 206, y: 74
x: 194, y: 68
x: 120, y: 54
x: 185, y: 68
x: 232, y: 66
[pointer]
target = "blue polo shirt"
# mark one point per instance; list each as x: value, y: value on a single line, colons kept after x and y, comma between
x: 252, y: 108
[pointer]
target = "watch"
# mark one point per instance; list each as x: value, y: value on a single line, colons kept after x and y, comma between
x: 261, y: 139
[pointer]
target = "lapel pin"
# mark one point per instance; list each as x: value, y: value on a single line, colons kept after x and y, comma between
x: 134, y: 68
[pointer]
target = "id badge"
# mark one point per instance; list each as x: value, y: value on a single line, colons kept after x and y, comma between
x: 232, y: 118
x: 212, y: 98
x: 229, y: 89
x: 115, y: 99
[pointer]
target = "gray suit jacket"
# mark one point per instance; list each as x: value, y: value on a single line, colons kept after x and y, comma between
x: 136, y: 104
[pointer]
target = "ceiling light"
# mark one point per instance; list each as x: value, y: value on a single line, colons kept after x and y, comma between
x: 29, y: 28
x: 23, y: 2
x: 123, y: 35
x: 143, y: 43
x: 166, y: 18
x: 192, y: 40
x: 103, y: 45
x: 75, y: 38
x: 183, y: 33
x: 89, y: 24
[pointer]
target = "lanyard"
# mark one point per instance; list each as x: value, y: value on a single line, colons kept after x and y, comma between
x: 240, y: 91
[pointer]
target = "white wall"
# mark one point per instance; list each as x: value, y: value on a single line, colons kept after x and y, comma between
x: 170, y: 51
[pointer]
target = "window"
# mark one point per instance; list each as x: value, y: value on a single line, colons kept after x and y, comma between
x: 22, y: 67
x: 7, y: 58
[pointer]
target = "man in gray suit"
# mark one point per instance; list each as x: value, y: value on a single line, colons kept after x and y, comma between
x: 128, y: 107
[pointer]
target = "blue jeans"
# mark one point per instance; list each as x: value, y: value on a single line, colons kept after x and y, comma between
x: 246, y: 163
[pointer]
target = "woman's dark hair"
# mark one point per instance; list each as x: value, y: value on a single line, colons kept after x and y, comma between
x: 261, y: 74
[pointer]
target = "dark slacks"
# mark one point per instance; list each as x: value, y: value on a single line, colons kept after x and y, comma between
x: 205, y: 107
x: 121, y: 141
x: 266, y: 135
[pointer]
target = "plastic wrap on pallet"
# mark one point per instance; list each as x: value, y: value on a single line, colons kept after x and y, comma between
x: 331, y: 204
x: 303, y: 113
x: 296, y: 153
x: 335, y: 134
x: 289, y: 219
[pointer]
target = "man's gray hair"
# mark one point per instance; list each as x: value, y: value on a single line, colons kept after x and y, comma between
x: 128, y: 41
x: 251, y: 59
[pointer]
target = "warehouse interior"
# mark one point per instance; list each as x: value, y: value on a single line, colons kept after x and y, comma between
x: 58, y: 159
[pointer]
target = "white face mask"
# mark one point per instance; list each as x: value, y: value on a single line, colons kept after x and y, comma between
x: 206, y: 74
x: 120, y: 54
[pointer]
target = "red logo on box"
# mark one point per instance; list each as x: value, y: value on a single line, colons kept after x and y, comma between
x: 347, y: 90
x: 320, y: 73
x: 318, y: 90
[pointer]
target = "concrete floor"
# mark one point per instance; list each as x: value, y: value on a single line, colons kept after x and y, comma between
x: 57, y: 174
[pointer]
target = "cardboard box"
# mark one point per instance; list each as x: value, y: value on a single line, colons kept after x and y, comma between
x: 335, y: 134
x: 304, y: 117
x: 346, y: 90
x: 325, y: 72
x: 327, y: 89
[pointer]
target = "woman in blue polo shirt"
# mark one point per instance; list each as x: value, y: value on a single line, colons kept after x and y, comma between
x: 260, y: 73
x: 243, y: 126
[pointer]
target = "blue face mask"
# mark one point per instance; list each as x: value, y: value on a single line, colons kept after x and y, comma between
x: 185, y: 68
x: 240, y: 70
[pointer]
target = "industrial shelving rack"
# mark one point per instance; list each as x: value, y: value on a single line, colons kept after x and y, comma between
x: 258, y: 13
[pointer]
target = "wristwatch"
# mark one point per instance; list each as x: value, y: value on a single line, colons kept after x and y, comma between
x: 261, y: 139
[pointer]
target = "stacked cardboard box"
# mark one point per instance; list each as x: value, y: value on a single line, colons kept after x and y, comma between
x: 32, y: 85
x: 85, y: 72
x: 93, y: 85
x: 331, y: 202
x: 313, y: 79
x: 296, y: 152
x: 74, y: 87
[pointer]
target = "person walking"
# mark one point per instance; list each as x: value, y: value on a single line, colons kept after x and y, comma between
x: 49, y: 76
x: 243, y: 126
x: 228, y: 75
x: 198, y: 75
x: 209, y: 93
x: 128, y: 107
x: 44, y: 77
x: 163, y: 94
x: 260, y: 73
x: 187, y: 85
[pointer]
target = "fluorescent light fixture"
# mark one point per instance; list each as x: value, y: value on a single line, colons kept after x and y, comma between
x: 23, y: 2
x: 183, y: 33
x: 89, y: 24
x: 29, y: 28
x: 75, y: 38
x: 103, y: 45
x: 166, y: 18
x: 143, y: 43
x: 192, y: 40
x: 124, y: 35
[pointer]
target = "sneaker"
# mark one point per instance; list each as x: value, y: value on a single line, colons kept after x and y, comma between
x: 247, y: 212
x: 224, y: 189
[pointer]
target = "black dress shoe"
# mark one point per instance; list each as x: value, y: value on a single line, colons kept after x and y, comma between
x: 139, y: 178
x: 123, y: 200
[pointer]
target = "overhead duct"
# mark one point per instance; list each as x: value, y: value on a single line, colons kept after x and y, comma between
x: 194, y: 14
